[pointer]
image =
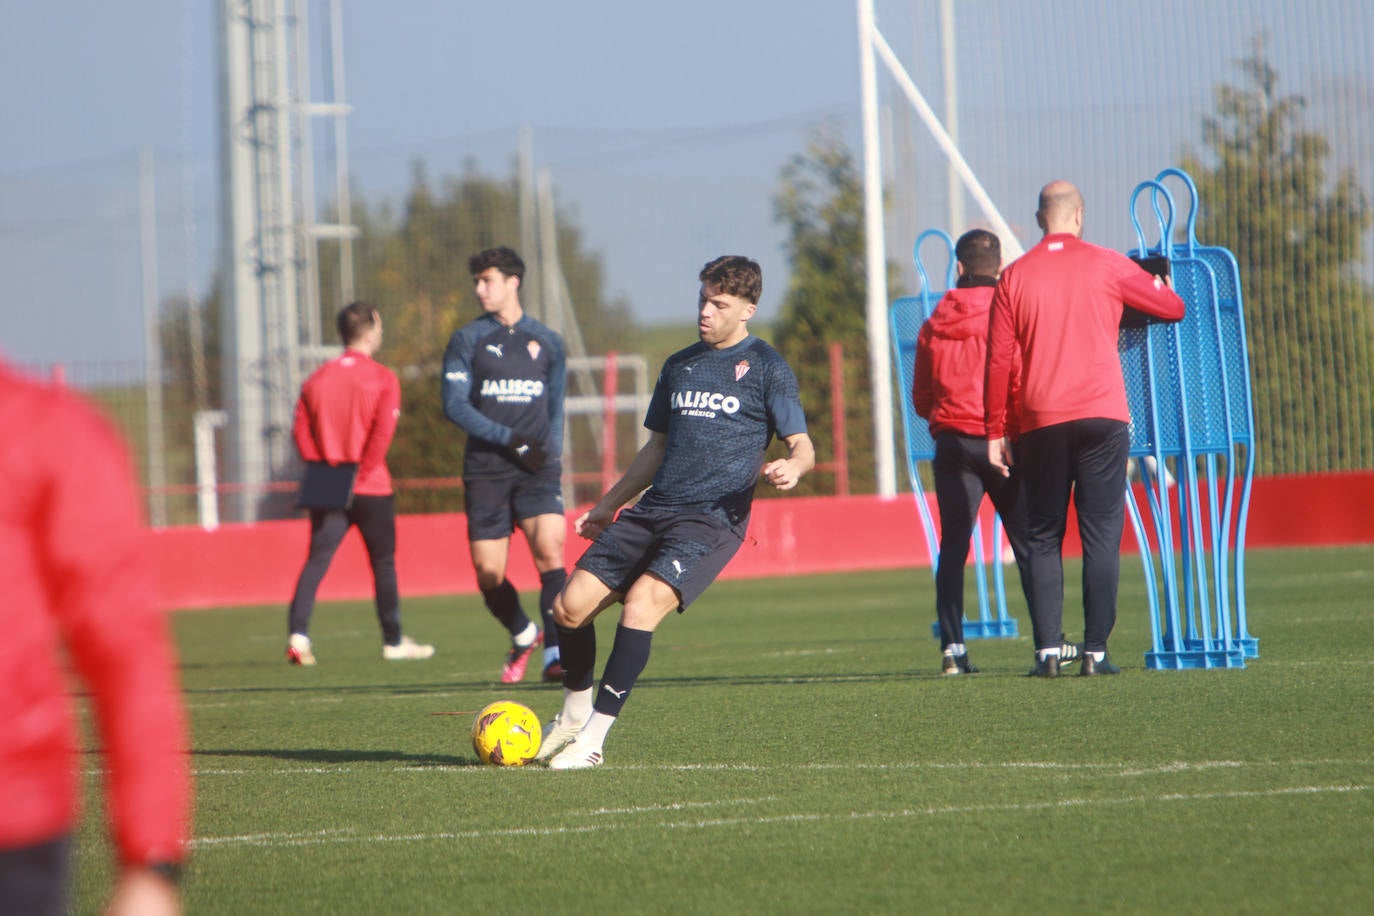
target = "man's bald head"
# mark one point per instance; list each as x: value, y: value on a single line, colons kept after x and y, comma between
x: 1061, y: 209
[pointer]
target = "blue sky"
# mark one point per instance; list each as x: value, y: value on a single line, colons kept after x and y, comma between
x: 653, y: 89
x: 664, y: 125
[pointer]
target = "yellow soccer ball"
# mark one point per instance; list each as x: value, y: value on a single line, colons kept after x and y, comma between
x: 506, y: 734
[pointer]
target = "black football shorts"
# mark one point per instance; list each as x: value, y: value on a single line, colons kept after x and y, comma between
x: 686, y: 550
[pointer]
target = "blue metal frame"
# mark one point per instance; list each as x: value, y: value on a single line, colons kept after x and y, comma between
x: 1236, y: 362
x: 1187, y: 388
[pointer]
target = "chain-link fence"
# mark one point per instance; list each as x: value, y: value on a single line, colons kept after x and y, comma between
x: 1265, y: 101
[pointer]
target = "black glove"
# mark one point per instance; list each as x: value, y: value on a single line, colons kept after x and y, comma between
x: 529, y: 455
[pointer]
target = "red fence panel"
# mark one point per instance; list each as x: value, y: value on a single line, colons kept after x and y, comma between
x: 258, y: 564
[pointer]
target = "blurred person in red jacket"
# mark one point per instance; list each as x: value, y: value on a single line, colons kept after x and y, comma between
x: 347, y: 414
x: 73, y: 557
x: 1058, y: 309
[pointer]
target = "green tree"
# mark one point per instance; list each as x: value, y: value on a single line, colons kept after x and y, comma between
x: 820, y: 201
x: 414, y: 266
x: 1297, y: 236
x: 189, y: 336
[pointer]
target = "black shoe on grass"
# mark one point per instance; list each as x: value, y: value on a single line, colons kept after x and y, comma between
x: 957, y: 664
x: 1092, y: 667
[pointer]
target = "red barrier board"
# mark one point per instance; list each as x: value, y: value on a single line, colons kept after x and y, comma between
x: 258, y: 564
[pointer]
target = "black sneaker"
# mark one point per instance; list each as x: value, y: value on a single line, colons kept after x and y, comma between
x: 1092, y: 667
x: 957, y: 664
x: 1070, y: 652
x: 1045, y: 667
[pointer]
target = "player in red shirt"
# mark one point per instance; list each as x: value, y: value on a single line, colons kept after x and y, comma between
x: 347, y: 413
x: 73, y: 557
x: 1058, y: 308
x: 947, y: 390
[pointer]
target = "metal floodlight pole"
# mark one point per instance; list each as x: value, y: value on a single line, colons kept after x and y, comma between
x: 879, y: 360
x: 152, y: 342
x: 530, y: 296
x: 951, y: 73
x: 307, y: 241
x: 342, y: 192
x: 551, y: 312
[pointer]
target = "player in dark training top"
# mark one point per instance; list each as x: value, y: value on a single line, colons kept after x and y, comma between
x: 716, y: 407
x: 504, y: 379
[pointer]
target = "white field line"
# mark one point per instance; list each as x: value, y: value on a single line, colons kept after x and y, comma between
x: 675, y: 806
x: 1326, y: 662
x: 1323, y: 577
x: 265, y: 840
x: 335, y: 636
x: 1124, y: 768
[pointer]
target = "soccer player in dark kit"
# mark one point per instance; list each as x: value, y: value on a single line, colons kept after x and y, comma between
x: 504, y: 379
x: 716, y: 407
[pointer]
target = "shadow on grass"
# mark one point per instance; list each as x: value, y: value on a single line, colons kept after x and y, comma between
x: 341, y: 755
x: 303, y: 689
x: 744, y: 680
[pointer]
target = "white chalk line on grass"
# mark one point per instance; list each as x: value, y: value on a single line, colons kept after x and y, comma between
x: 1327, y: 662
x: 325, y: 837
x: 794, y: 653
x: 1124, y: 768
x: 249, y: 839
x: 334, y: 636
x: 675, y: 806
x: 1321, y: 577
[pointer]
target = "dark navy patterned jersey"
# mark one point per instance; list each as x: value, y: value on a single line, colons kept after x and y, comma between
x: 501, y: 382
x: 719, y: 410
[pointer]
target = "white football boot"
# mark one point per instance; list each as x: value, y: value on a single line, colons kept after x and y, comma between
x: 298, y: 650
x: 406, y: 650
x: 580, y: 755
x: 557, y: 735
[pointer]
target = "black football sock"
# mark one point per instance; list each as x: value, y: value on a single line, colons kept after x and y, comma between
x: 629, y: 655
x: 550, y: 584
x: 578, y: 649
x: 504, y: 604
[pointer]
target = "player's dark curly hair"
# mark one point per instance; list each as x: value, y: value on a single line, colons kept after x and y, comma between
x: 980, y: 252
x: 355, y: 320
x: 502, y: 258
x: 734, y: 275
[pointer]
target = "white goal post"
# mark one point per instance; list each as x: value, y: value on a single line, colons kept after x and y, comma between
x: 872, y: 45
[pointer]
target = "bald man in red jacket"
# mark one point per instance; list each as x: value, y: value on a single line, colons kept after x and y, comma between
x: 78, y: 593
x: 1058, y: 307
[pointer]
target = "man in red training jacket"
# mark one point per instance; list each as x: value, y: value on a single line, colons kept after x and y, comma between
x: 947, y: 390
x: 1058, y: 308
x: 347, y: 413
x: 78, y: 589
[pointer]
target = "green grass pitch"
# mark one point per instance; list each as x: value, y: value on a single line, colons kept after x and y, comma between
x: 792, y: 748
